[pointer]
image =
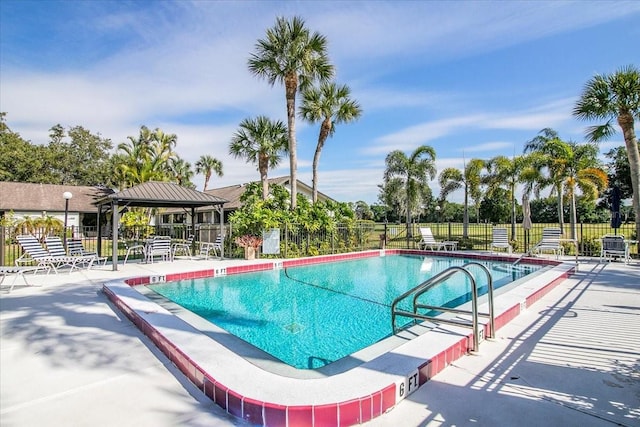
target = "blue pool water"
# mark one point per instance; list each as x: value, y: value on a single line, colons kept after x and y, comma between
x: 313, y: 315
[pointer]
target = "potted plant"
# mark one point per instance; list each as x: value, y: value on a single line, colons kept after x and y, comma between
x: 250, y: 244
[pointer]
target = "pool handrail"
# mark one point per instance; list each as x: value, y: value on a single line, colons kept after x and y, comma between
x: 439, y: 278
x: 491, y: 312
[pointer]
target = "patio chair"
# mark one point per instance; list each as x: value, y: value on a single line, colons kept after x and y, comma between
x: 160, y: 246
x: 133, y: 248
x: 429, y: 241
x: 614, y: 246
x: 57, y: 251
x: 76, y: 248
x: 18, y: 272
x: 183, y: 247
x: 215, y: 247
x: 34, y: 252
x: 500, y: 240
x: 550, y: 242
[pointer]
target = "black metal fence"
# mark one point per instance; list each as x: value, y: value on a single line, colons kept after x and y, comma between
x: 298, y: 241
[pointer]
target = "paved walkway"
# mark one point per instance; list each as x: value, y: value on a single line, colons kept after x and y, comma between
x: 68, y: 358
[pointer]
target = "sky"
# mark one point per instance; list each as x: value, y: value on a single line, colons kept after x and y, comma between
x: 472, y: 79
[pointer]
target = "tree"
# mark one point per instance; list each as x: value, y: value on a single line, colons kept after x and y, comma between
x: 411, y: 175
x: 507, y: 173
x: 571, y: 166
x: 328, y: 104
x: 291, y: 55
x: 145, y: 158
x: 496, y: 206
x: 207, y: 165
x: 542, y: 144
x: 615, y: 96
x: 260, y: 141
x: 182, y: 172
x: 452, y: 179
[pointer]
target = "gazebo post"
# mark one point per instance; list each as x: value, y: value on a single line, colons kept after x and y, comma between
x: 221, y: 212
x: 114, y: 235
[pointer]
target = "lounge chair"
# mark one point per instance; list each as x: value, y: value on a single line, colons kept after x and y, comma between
x: 33, y: 252
x: 76, y: 248
x: 58, y: 253
x: 550, y: 242
x: 428, y: 241
x: 500, y: 240
x: 160, y: 246
x: 215, y: 247
x: 18, y: 272
x: 614, y: 246
x: 183, y: 248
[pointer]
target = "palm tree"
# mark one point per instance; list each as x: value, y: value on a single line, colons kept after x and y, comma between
x: 412, y: 174
x: 181, y: 170
x: 452, y: 179
x: 543, y: 146
x: 207, y: 165
x: 576, y: 166
x: 291, y: 55
x: 615, y: 96
x: 145, y: 158
x: 328, y: 104
x: 260, y: 141
x: 505, y: 172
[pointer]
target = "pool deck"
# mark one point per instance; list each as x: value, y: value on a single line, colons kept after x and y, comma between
x: 68, y: 356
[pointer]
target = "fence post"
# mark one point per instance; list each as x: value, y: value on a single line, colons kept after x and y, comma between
x: 449, y: 237
x: 2, y: 242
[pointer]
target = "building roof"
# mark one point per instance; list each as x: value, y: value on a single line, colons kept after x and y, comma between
x: 162, y: 194
x: 234, y: 192
x: 24, y: 196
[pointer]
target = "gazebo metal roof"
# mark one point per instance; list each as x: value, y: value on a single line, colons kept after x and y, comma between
x: 153, y: 194
x: 161, y: 194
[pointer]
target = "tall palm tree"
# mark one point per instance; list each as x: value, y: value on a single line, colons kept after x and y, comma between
x: 542, y: 145
x: 207, y: 165
x: 577, y: 167
x: 412, y: 174
x: 328, y: 104
x: 507, y: 173
x: 615, y: 96
x: 291, y: 55
x: 260, y: 141
x: 452, y: 179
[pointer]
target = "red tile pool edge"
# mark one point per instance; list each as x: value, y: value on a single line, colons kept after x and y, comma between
x: 346, y: 413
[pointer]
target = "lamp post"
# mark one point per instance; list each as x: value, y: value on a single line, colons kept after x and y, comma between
x: 66, y: 196
x: 438, y: 217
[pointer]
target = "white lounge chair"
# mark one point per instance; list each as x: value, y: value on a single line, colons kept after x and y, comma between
x: 76, y: 248
x: 550, y: 242
x: 428, y: 241
x: 57, y: 251
x: 17, y: 272
x: 614, y: 246
x: 500, y: 240
x: 35, y: 253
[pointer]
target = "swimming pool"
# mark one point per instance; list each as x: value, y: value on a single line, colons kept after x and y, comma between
x: 311, y: 316
x: 367, y: 388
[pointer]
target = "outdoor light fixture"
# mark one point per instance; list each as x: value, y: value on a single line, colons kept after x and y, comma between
x: 66, y: 196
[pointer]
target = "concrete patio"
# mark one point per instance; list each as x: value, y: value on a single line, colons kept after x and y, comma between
x: 68, y: 357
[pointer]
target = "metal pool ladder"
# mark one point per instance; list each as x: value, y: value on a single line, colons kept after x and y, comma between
x: 437, y: 280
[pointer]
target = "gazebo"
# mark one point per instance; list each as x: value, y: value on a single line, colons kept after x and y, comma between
x: 153, y: 194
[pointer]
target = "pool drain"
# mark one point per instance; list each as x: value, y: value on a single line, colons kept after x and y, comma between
x: 294, y: 328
